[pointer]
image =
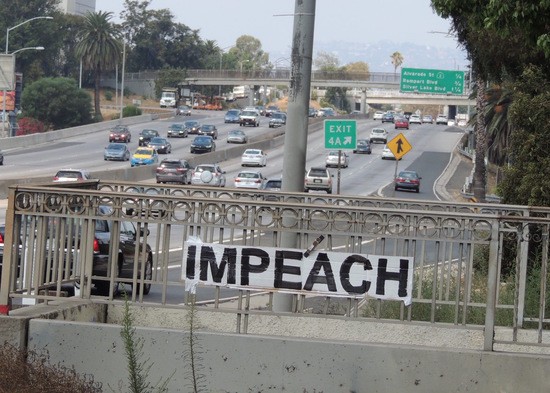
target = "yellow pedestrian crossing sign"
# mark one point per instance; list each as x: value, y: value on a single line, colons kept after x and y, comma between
x: 399, y: 146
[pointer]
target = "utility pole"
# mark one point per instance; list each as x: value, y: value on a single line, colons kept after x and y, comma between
x: 295, y: 148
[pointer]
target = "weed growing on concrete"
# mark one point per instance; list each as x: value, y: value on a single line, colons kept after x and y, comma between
x: 193, y: 351
x: 138, y: 370
x: 30, y: 372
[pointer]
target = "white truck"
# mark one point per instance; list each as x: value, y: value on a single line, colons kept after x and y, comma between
x: 168, y: 98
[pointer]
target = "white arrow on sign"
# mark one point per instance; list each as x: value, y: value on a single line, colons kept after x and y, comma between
x: 347, y: 140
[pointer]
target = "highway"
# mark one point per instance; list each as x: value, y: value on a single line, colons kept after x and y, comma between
x: 367, y: 174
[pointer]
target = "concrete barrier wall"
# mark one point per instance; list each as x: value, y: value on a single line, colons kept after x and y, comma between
x: 239, y: 363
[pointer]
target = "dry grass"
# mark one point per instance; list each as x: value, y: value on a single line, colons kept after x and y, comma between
x: 30, y: 372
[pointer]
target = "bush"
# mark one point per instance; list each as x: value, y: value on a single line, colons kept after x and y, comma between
x: 108, y: 95
x: 131, y: 110
x: 28, y: 126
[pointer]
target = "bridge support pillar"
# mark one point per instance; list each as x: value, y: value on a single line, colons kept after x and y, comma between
x: 364, y: 108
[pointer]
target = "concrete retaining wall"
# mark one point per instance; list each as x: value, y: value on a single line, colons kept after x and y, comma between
x: 239, y: 363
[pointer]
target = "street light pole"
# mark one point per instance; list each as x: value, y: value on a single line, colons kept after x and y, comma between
x: 6, y: 52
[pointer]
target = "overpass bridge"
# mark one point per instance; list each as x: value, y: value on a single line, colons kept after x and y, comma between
x: 375, y: 87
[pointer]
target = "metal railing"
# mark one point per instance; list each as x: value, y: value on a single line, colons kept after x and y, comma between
x: 475, y: 265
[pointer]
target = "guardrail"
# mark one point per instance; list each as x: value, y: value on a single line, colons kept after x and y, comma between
x: 470, y: 261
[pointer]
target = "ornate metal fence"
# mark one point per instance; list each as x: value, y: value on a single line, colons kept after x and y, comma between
x: 474, y: 265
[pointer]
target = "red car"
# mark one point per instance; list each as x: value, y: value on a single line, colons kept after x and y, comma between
x: 120, y: 134
x: 401, y: 122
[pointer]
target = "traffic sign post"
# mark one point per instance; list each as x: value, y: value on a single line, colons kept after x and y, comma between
x: 340, y: 134
x: 420, y: 80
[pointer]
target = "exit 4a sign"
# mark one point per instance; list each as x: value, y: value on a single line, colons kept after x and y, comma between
x: 340, y: 134
x: 420, y: 80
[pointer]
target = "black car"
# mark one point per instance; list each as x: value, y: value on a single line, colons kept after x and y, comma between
x: 363, y: 147
x: 210, y: 130
x: 161, y: 145
x: 183, y: 110
x: 203, y: 144
x: 145, y: 136
x: 192, y: 126
x: 171, y: 170
x: 177, y: 130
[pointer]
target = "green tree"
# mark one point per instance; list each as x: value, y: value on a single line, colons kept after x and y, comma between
x: 396, y: 60
x: 99, y: 48
x: 57, y: 102
x: 248, y: 52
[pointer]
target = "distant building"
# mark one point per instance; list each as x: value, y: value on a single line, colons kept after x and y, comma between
x: 77, y: 7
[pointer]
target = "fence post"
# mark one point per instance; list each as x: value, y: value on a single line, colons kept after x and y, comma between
x: 492, y: 283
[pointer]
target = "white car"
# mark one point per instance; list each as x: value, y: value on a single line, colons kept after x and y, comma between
x: 441, y: 119
x: 415, y: 119
x: 378, y: 135
x: 254, y: 157
x: 387, y: 154
x: 250, y: 179
x: 208, y: 175
x: 332, y: 159
x: 378, y: 115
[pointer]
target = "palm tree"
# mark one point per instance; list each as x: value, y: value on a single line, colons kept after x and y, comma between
x: 99, y: 48
x: 396, y: 60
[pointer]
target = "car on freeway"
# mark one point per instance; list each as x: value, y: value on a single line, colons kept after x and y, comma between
x: 451, y: 122
x: 128, y: 250
x: 388, y: 117
x: 378, y: 135
x: 116, y: 152
x: 428, y: 119
x: 387, y: 154
x: 192, y: 126
x: 401, y: 122
x: 337, y: 159
x: 261, y: 109
x: 461, y: 123
x: 202, y: 144
x: 145, y: 136
x: 272, y: 185
x: 363, y: 147
x: 378, y: 115
x: 144, y: 156
x: 208, y: 174
x: 441, y: 119
x: 232, y: 116
x: 250, y: 179
x: 177, y: 130
x: 415, y: 119
x: 173, y: 170
x: 318, y: 179
x: 254, y: 157
x: 1, y: 158
x: 408, y: 180
x: 326, y: 112
x: 249, y: 118
x: 120, y: 134
x: 210, y: 130
x: 161, y: 145
x: 277, y: 119
x: 183, y: 110
x: 71, y: 175
x: 312, y: 112
x: 271, y: 109
x: 237, y: 136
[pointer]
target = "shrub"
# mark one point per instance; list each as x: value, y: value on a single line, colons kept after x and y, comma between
x: 108, y: 95
x: 131, y: 110
x: 28, y: 126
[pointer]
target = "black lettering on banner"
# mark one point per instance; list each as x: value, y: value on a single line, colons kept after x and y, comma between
x: 247, y: 268
x: 384, y: 275
x: 190, y: 268
x: 344, y: 274
x: 229, y: 259
x: 281, y: 269
x: 313, y: 278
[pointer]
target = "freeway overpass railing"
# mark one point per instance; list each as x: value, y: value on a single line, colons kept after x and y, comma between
x: 473, y: 266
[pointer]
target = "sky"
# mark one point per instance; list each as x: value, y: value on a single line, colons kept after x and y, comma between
x: 370, y: 21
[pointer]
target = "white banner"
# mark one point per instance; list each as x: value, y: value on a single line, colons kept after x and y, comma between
x: 322, y: 273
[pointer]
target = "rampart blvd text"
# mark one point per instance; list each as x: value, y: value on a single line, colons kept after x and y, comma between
x: 287, y: 270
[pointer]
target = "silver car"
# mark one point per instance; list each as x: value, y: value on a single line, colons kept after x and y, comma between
x: 332, y: 159
x: 237, y: 136
x: 208, y: 175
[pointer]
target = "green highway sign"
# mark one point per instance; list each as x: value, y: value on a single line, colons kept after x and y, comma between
x: 419, y: 80
x: 340, y: 134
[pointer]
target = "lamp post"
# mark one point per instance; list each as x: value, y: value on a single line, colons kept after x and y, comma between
x: 20, y: 50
